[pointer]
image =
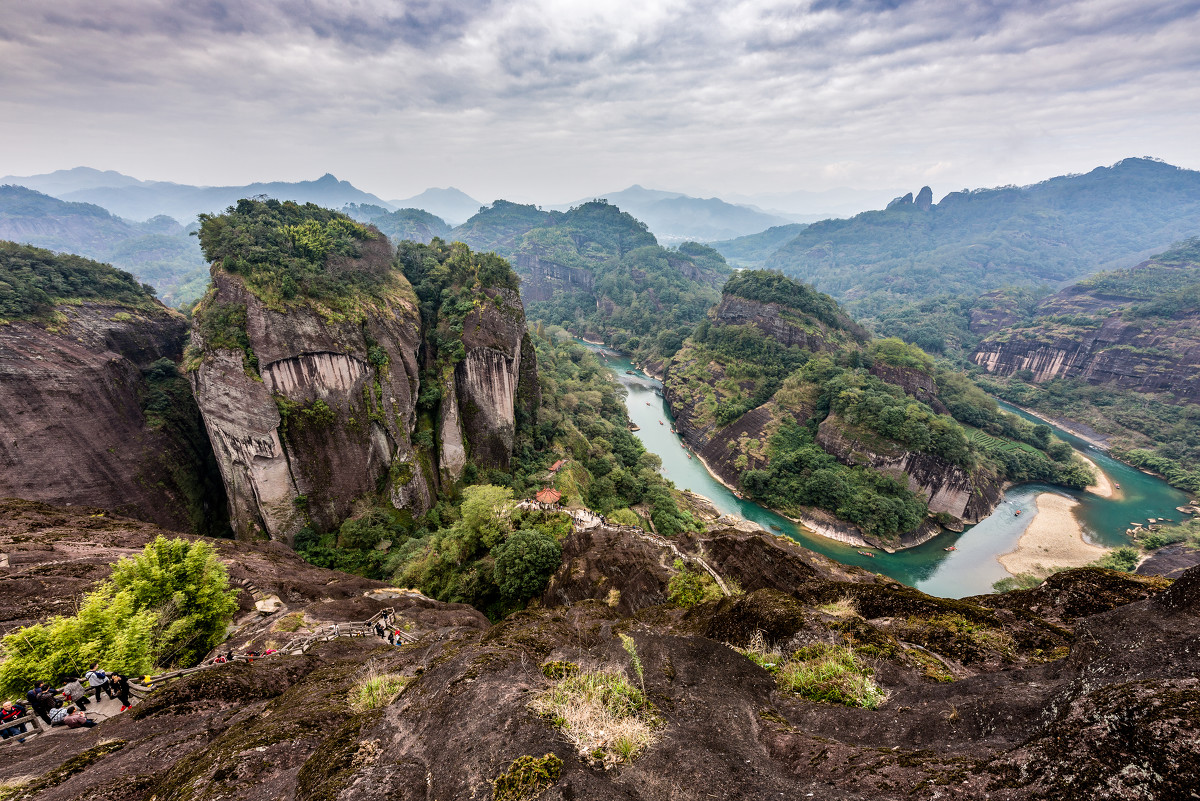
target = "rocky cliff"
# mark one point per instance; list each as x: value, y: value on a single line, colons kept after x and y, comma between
x: 1043, y: 694
x: 1131, y: 329
x: 544, y: 277
x: 776, y: 321
x: 967, y: 496
x: 325, y: 418
x: 90, y: 415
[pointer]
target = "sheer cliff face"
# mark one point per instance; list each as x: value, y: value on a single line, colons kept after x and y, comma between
x: 774, y: 321
x: 486, y: 381
x: 327, y: 419
x: 74, y: 429
x: 946, y: 487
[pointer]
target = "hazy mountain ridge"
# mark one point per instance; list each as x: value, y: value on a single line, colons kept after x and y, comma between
x: 158, y: 252
x: 973, y: 241
x: 676, y: 217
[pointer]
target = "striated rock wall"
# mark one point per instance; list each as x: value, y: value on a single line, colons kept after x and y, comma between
x: 487, y: 379
x: 545, y: 277
x: 328, y: 418
x: 72, y: 425
x: 946, y: 487
x: 774, y: 321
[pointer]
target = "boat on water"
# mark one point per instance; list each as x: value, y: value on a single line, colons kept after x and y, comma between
x: 660, y: 422
x: 1017, y: 513
x: 951, y: 548
x: 689, y: 456
x: 647, y: 403
x: 634, y: 427
x: 866, y: 553
x: 1115, y: 484
x: 630, y: 372
x: 777, y: 528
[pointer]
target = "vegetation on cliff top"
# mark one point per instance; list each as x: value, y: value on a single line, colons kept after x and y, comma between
x: 287, y: 252
x: 637, y: 296
x: 33, y: 281
x: 167, y: 606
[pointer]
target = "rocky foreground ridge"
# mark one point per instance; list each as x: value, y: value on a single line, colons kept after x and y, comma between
x: 1082, y: 688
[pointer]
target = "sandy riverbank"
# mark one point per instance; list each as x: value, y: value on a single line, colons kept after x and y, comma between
x: 1103, y: 486
x: 1054, y: 539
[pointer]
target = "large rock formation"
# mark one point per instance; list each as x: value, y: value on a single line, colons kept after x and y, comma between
x: 947, y: 488
x: 77, y: 423
x: 486, y: 381
x: 326, y: 418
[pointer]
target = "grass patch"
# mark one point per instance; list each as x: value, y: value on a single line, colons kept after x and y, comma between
x: 602, y: 714
x: 930, y: 666
x: 290, y: 623
x: 377, y: 690
x: 830, y: 674
x: 846, y: 607
x: 526, y: 778
x: 758, y: 652
x: 690, y: 587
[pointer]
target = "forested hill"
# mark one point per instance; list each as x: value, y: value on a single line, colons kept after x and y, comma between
x: 1118, y: 352
x: 158, y: 252
x: 782, y: 394
x: 974, y: 241
x: 600, y: 273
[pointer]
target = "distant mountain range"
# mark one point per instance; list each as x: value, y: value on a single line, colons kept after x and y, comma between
x: 158, y: 252
x: 675, y: 217
x: 452, y: 205
x: 971, y: 242
x: 141, y: 200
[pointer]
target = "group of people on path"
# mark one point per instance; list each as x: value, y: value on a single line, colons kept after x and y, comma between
x: 66, y: 705
x: 386, y: 630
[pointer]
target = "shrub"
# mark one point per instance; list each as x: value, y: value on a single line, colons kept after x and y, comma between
x: 526, y: 778
x: 166, y: 606
x: 1122, y: 559
x: 601, y: 713
x: 377, y: 690
x: 690, y: 587
x: 830, y: 674
x: 525, y: 562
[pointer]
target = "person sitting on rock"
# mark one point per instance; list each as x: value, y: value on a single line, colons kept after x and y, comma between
x: 120, y: 685
x: 10, y: 712
x: 220, y: 660
x: 75, y: 692
x: 98, y: 680
x: 58, y: 715
x: 75, y: 719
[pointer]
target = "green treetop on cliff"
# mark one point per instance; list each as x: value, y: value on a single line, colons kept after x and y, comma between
x: 287, y: 252
x: 33, y: 281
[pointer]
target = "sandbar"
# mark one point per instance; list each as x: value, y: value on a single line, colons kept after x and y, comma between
x: 1103, y: 486
x: 1053, y: 539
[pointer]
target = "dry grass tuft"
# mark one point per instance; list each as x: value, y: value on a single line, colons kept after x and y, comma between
x: 602, y: 714
x: 377, y: 690
x: 846, y: 607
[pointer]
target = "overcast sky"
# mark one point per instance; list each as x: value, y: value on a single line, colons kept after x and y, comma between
x: 552, y: 100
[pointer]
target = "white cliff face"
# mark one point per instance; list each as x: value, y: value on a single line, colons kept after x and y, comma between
x: 243, y: 422
x: 452, y: 449
x: 346, y: 423
x: 486, y: 379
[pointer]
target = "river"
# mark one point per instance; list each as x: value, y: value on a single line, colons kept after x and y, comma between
x: 969, y: 570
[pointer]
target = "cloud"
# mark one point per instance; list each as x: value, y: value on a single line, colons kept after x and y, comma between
x: 557, y: 96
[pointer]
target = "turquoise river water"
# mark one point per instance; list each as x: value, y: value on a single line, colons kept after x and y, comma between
x: 969, y: 570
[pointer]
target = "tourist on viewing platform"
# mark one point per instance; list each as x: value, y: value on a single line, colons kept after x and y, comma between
x: 40, y: 701
x: 75, y: 692
x: 75, y: 719
x: 120, y: 685
x: 98, y: 680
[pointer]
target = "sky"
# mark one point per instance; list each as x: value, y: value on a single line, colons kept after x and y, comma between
x: 552, y: 100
